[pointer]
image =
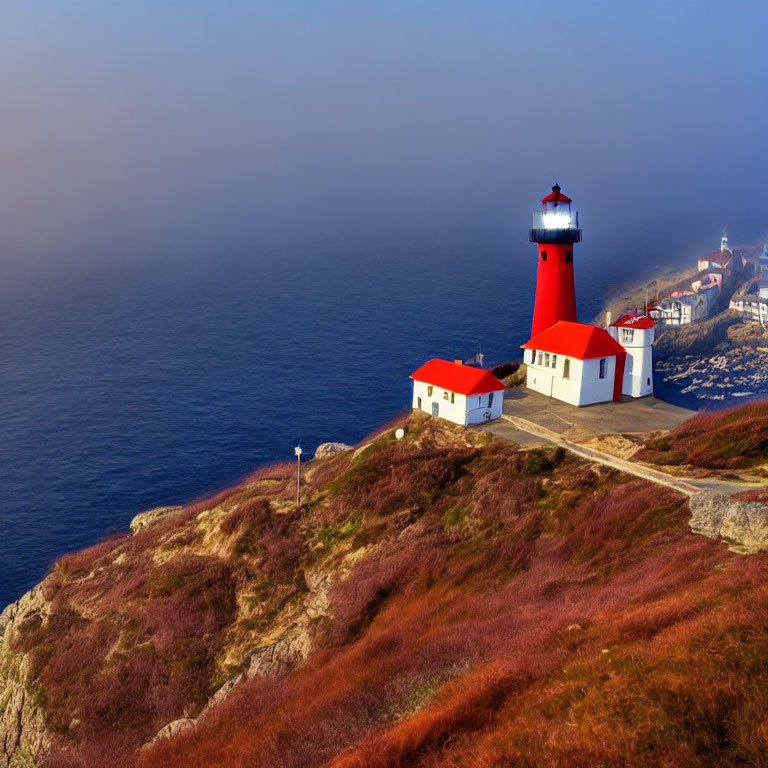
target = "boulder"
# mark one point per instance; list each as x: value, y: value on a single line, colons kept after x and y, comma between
x: 150, y: 517
x: 283, y: 654
x: 167, y: 731
x: 326, y: 450
x: 743, y: 525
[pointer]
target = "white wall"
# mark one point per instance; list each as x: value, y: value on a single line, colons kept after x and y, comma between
x: 638, y: 368
x: 593, y: 388
x: 478, y: 410
x: 582, y: 387
x: 465, y: 409
x: 638, y: 372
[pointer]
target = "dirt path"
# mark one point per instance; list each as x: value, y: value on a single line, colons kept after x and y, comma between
x: 688, y: 486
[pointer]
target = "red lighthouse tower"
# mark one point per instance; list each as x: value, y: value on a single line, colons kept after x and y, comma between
x: 555, y: 229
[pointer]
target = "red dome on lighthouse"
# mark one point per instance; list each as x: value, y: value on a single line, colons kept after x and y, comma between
x: 556, y: 196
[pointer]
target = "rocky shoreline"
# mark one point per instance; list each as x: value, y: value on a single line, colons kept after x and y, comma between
x: 721, y: 360
x: 734, y: 373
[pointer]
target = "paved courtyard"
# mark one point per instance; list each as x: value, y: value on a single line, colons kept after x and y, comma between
x: 579, y: 424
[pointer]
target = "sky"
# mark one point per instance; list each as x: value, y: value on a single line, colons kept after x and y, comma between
x: 160, y: 129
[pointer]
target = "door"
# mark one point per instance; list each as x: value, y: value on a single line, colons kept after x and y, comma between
x: 435, y: 408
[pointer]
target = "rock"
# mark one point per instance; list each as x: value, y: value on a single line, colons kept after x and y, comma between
x: 167, y: 731
x: 23, y: 738
x: 326, y: 450
x: 150, y: 517
x: 317, y: 603
x: 224, y: 691
x: 743, y: 525
x: 282, y: 655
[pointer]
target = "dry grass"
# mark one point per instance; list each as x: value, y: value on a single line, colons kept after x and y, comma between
x: 505, y: 609
x: 733, y: 439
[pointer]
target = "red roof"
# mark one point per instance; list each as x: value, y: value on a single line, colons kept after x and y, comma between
x: 556, y: 196
x: 634, y: 321
x: 463, y: 379
x: 578, y: 340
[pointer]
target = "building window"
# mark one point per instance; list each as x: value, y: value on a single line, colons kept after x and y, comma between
x: 543, y: 255
x: 445, y: 394
x: 541, y: 354
x: 453, y: 397
x: 566, y: 368
x: 418, y: 401
x: 627, y: 334
x: 430, y: 390
x: 568, y: 257
x: 490, y: 399
x: 554, y: 361
x: 546, y: 359
x: 602, y: 367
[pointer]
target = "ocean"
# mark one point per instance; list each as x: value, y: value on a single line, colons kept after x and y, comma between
x: 127, y: 387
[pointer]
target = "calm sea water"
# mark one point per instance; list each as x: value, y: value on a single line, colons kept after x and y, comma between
x: 123, y: 389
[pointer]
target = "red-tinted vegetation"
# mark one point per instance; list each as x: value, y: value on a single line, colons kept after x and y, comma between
x: 732, y: 439
x: 488, y: 607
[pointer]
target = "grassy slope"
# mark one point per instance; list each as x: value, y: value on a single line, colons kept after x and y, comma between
x: 732, y: 439
x: 490, y: 608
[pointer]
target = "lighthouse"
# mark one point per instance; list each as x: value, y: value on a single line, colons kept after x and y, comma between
x: 555, y: 229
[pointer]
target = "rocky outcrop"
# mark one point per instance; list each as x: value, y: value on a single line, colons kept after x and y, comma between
x: 697, y: 338
x: 743, y: 525
x: 151, y: 516
x: 282, y: 655
x: 22, y: 729
x: 177, y: 726
x: 326, y: 450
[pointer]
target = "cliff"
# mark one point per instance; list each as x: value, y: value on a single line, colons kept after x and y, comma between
x: 444, y: 599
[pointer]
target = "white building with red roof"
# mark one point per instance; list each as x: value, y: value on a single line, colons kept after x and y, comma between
x: 636, y: 333
x: 575, y: 362
x: 460, y: 393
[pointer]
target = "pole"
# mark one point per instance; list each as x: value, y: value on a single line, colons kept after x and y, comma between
x: 297, y: 451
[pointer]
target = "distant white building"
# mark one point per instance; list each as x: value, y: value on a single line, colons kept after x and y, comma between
x: 752, y: 304
x: 460, y: 393
x: 578, y: 363
x: 636, y: 334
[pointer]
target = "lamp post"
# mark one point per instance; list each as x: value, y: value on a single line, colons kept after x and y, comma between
x: 297, y: 451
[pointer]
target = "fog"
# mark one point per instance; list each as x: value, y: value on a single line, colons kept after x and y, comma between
x: 149, y: 130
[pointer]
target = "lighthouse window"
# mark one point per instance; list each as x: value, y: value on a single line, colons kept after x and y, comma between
x: 546, y: 359
x: 568, y: 257
x: 554, y: 361
x: 566, y: 368
x: 543, y: 255
x: 627, y: 334
x: 602, y: 368
x: 541, y: 355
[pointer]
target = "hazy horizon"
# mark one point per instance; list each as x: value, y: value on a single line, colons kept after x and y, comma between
x: 142, y: 132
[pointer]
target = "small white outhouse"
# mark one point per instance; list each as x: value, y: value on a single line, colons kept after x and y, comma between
x: 460, y: 393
